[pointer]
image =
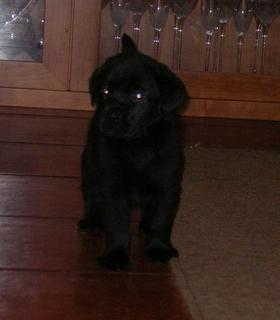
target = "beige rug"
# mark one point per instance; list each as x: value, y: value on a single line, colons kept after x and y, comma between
x: 228, y: 234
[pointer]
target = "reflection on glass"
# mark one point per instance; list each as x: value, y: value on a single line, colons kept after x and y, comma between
x: 210, y: 12
x: 258, y: 33
x: 181, y: 10
x: 266, y: 11
x: 119, y: 14
x: 243, y: 15
x: 158, y: 10
x: 138, y: 8
x: 21, y: 30
x: 227, y: 8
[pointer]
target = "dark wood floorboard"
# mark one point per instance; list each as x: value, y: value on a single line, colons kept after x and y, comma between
x: 41, y: 160
x: 46, y: 296
x: 48, y: 269
x: 56, y: 245
x: 39, y: 197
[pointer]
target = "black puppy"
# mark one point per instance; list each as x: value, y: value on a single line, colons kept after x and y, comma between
x: 133, y: 156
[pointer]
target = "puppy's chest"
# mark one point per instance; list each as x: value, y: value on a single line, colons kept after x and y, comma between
x: 139, y: 158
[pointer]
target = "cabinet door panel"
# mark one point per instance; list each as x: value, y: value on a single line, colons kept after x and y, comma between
x: 53, y: 72
x: 85, y: 49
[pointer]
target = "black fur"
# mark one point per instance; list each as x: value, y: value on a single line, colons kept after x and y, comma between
x: 133, y: 156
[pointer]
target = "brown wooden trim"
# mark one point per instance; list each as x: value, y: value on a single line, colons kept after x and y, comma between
x: 233, y: 109
x: 45, y: 99
x: 196, y: 107
x: 238, y: 87
x: 46, y: 112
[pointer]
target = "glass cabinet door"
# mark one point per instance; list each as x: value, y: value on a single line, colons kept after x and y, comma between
x: 35, y: 42
x: 21, y: 30
x: 213, y: 36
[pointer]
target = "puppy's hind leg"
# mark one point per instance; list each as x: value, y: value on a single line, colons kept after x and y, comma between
x: 90, y: 185
x: 158, y: 222
x: 117, y: 238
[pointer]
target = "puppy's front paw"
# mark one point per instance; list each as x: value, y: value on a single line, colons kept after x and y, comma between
x: 161, y: 252
x: 116, y: 259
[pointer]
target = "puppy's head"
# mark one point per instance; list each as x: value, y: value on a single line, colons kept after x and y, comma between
x: 132, y: 92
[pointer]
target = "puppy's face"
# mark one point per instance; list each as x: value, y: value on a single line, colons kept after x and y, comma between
x: 132, y: 92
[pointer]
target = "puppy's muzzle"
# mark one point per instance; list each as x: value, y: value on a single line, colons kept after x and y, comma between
x: 114, y: 122
x: 116, y: 115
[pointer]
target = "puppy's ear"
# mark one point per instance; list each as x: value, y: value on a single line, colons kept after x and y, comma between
x: 94, y: 85
x: 128, y: 46
x: 172, y: 90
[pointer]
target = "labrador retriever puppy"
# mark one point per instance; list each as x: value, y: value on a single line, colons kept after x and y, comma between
x: 133, y: 156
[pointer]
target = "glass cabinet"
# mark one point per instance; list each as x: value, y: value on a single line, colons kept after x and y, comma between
x: 22, y: 30
x: 48, y: 48
x: 34, y: 54
x: 229, y: 36
x: 226, y: 51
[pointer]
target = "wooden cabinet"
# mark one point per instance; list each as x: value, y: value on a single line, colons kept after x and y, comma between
x: 78, y: 36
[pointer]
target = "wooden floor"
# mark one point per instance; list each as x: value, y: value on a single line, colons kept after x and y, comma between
x: 47, y: 268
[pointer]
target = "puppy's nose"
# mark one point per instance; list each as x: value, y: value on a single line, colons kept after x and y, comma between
x: 116, y: 114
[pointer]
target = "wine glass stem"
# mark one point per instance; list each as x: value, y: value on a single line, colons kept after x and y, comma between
x: 136, y: 27
x: 239, y: 52
x: 221, y: 45
x: 117, y: 38
x: 177, y: 43
x: 208, y: 50
x: 264, y: 40
x: 156, y: 42
x: 257, y: 41
x: 214, y: 45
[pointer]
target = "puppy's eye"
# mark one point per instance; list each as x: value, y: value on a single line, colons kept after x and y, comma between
x: 105, y: 91
x: 138, y: 95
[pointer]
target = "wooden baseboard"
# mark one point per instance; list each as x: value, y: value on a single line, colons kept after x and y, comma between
x: 69, y: 127
x: 230, y: 133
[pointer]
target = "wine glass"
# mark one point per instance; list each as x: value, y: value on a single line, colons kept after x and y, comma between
x: 266, y: 11
x: 227, y: 9
x: 210, y: 12
x: 119, y: 14
x: 158, y: 10
x: 104, y: 3
x: 181, y: 10
x: 258, y: 33
x: 243, y: 14
x: 138, y: 8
